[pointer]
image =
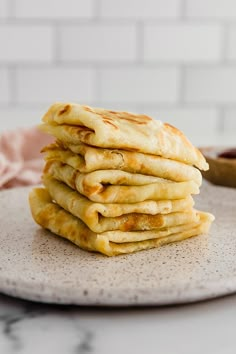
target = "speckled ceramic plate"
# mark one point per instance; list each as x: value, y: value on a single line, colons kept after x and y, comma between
x: 36, y: 265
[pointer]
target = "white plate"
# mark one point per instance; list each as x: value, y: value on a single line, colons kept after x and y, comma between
x: 37, y: 265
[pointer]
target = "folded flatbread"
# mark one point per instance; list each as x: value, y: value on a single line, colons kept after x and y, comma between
x: 74, y: 123
x: 115, y: 186
x: 85, y: 158
x: 56, y: 219
x: 132, y: 218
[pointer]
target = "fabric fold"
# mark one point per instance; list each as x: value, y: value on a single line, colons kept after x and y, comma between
x: 20, y: 160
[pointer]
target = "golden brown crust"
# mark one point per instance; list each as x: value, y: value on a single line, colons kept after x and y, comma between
x: 74, y: 123
x: 124, y: 217
x: 86, y: 158
x: 102, y: 186
x: 62, y: 223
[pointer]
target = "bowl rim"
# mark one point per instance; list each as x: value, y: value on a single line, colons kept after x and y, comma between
x: 215, y: 149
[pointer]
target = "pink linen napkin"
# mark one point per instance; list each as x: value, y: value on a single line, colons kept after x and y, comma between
x: 21, y: 163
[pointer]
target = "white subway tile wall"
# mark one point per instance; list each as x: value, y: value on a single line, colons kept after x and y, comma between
x: 230, y: 121
x: 212, y: 85
x: 231, y: 50
x: 13, y: 118
x: 139, y: 85
x: 26, y: 43
x: 53, y: 9
x: 172, y: 59
x: 140, y: 9
x: 211, y: 9
x: 4, y: 86
x: 98, y: 43
x: 3, y: 8
x: 180, y: 42
x: 43, y: 85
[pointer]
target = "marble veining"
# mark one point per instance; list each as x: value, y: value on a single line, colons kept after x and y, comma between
x: 34, y: 328
x: 27, y: 327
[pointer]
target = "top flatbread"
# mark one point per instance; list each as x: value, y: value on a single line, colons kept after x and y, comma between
x: 74, y: 123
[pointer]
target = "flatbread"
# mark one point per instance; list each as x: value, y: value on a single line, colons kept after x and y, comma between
x: 89, y: 212
x: 85, y: 158
x: 114, y: 186
x: 136, y: 236
x: 56, y: 219
x: 60, y: 190
x: 74, y: 123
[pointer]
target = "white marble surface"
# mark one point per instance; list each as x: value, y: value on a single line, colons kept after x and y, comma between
x: 33, y: 328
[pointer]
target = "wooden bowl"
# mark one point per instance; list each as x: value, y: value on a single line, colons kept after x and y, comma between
x: 222, y: 170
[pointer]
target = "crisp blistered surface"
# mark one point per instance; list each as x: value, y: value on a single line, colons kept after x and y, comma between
x: 73, y: 123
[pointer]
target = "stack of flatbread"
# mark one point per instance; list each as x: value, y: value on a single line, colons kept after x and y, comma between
x: 117, y: 182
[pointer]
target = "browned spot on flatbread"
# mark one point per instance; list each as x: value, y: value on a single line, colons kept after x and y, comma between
x: 170, y: 128
x: 80, y: 131
x: 47, y: 166
x: 129, y: 117
x: 70, y: 229
x: 78, y: 127
x: 106, y: 121
x: 88, y: 109
x: 130, y: 148
x: 43, y: 218
x: 51, y: 147
x: 136, y: 221
x: 106, y: 117
x: 137, y: 119
x: 84, y: 237
x: 73, y: 179
x: 60, y: 144
x: 138, y: 116
x: 173, y: 129
x: 90, y: 190
x: 66, y: 109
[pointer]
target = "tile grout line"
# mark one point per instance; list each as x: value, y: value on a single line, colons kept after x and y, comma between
x: 225, y: 43
x: 96, y: 10
x: 12, y: 85
x: 56, y: 44
x: 182, y: 85
x: 146, y: 105
x: 139, y: 38
x: 80, y: 21
x: 97, y: 85
x: 221, y: 121
x: 11, y: 9
x: 183, y: 10
x: 115, y: 64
